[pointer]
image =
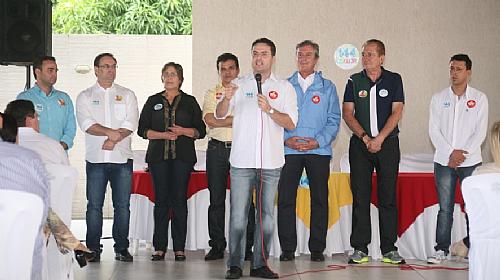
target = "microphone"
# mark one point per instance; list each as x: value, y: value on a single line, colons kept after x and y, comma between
x: 258, y: 78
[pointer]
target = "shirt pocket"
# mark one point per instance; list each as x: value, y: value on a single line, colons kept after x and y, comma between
x: 120, y: 111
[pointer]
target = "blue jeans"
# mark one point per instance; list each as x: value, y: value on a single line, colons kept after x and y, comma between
x: 120, y: 177
x: 243, y: 181
x: 446, y: 182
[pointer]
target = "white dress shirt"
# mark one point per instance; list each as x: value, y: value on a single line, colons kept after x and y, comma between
x: 255, y: 134
x: 49, y: 150
x: 114, y: 107
x: 458, y: 123
x: 305, y: 83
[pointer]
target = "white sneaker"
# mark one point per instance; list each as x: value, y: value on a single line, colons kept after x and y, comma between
x: 437, y: 258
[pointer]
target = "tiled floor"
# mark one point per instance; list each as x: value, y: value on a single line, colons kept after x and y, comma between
x: 302, y: 268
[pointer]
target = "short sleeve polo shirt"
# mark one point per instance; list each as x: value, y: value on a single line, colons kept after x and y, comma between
x: 373, y: 100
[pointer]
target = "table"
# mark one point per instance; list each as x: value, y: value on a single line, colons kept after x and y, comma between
x: 416, y: 201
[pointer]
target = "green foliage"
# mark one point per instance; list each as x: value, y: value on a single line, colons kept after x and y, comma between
x: 122, y: 17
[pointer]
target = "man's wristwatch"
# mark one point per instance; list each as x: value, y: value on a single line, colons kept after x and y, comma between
x: 271, y: 111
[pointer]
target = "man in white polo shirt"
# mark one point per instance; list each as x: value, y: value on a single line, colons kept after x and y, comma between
x: 108, y: 114
x: 257, y: 154
x: 458, y: 124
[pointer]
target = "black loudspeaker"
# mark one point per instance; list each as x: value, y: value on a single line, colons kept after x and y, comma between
x: 25, y: 30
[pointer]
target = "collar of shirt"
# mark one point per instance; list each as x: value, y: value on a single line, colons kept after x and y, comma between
x: 382, y: 74
x: 41, y: 92
x: 464, y: 96
x: 104, y: 89
x: 305, y: 83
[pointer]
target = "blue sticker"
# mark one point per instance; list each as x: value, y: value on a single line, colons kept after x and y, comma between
x: 158, y: 107
x: 447, y: 104
x: 249, y: 94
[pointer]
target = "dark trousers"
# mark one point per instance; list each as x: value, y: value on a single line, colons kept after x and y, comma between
x: 170, y: 182
x: 217, y: 175
x: 386, y: 163
x: 318, y: 171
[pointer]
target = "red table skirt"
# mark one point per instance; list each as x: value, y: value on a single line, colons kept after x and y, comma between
x: 142, y: 184
x: 415, y: 192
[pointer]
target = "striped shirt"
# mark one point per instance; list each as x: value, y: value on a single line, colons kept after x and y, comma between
x: 23, y: 170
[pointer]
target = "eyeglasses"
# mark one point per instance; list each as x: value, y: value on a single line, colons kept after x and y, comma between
x: 170, y: 75
x: 107, y: 66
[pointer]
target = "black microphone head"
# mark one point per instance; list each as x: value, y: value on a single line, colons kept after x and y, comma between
x: 258, y: 77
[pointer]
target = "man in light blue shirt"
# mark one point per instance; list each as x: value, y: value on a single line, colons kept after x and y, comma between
x: 308, y: 146
x: 54, y: 107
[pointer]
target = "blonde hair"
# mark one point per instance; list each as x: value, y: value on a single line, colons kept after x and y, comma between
x: 495, y: 143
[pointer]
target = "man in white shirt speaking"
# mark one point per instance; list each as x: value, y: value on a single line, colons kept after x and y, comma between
x: 108, y: 114
x: 458, y: 125
x: 262, y: 107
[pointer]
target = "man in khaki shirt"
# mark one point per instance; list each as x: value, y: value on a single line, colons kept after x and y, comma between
x: 219, y: 147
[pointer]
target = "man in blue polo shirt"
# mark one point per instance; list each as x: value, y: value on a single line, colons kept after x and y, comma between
x: 54, y: 107
x: 308, y: 146
x: 372, y: 108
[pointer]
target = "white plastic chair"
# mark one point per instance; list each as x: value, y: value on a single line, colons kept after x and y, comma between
x: 21, y: 216
x: 63, y: 181
x: 481, y: 195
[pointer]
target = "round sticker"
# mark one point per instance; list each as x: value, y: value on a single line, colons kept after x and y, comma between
x: 383, y: 93
x: 315, y: 99
x: 471, y: 103
x: 218, y: 95
x: 346, y: 56
x: 363, y: 93
x: 273, y: 94
x: 158, y: 107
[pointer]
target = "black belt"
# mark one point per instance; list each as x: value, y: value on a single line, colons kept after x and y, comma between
x: 226, y: 145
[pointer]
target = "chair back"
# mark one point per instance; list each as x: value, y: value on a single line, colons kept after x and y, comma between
x: 21, y: 217
x: 63, y: 181
x: 482, y: 203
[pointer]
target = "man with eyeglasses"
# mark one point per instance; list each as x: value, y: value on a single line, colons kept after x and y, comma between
x: 107, y: 113
x: 308, y: 146
x: 372, y: 108
x: 54, y: 107
x: 262, y: 106
x: 458, y: 124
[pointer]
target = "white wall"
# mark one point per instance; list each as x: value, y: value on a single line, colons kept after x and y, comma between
x: 420, y: 37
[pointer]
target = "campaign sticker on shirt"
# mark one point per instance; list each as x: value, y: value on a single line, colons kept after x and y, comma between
x: 61, y: 102
x: 363, y: 93
x: 471, y: 103
x: 118, y: 98
x: 273, y: 94
x: 38, y: 107
x: 383, y: 93
x: 447, y: 104
x: 249, y: 94
x: 95, y: 102
x: 315, y: 99
x: 218, y: 95
x: 158, y: 107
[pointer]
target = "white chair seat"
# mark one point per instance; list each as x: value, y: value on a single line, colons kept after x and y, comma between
x: 21, y: 216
